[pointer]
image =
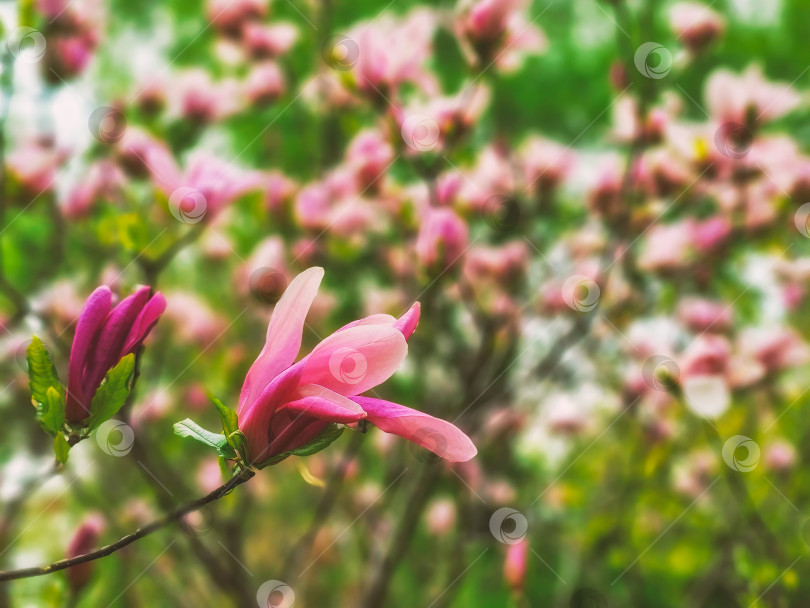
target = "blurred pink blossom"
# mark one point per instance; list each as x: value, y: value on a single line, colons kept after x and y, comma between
x: 695, y: 24
x: 84, y: 540
x: 442, y: 238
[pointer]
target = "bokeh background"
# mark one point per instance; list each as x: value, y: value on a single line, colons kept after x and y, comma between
x: 602, y: 206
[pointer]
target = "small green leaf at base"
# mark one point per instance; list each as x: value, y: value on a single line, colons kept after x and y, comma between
x: 61, y: 448
x: 112, y: 394
x: 189, y: 428
x: 230, y: 422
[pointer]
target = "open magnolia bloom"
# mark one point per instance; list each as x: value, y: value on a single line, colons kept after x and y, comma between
x: 296, y: 408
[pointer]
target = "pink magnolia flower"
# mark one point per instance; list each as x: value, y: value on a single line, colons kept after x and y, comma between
x: 104, y: 179
x: 286, y: 405
x: 264, y: 83
x: 34, y: 164
x: 202, y: 100
x: 205, y: 188
x: 229, y: 16
x: 369, y: 155
x: 701, y: 315
x: 545, y: 163
x: 266, y: 41
x: 104, y: 335
x: 498, y: 31
x: 695, y: 24
x: 442, y: 238
x: 390, y: 52
x: 748, y: 99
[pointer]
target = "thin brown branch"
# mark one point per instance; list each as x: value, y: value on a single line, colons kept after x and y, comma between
x: 169, y: 518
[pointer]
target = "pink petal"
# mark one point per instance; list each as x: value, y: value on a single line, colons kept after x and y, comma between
x: 297, y: 433
x: 319, y: 402
x: 371, y: 320
x: 283, y: 334
x: 407, y: 323
x: 434, y: 434
x: 93, y: 314
x: 145, y: 322
x: 255, y: 421
x: 354, y: 360
x: 110, y: 342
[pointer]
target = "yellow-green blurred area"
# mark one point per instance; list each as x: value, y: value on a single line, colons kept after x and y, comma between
x: 602, y: 206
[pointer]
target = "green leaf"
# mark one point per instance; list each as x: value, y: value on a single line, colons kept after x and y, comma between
x: 61, y: 448
x: 53, y: 415
x: 41, y: 373
x: 113, y: 393
x: 189, y: 428
x: 230, y: 423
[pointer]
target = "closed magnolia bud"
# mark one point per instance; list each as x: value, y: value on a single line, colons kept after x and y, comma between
x: 514, y: 566
x: 84, y: 540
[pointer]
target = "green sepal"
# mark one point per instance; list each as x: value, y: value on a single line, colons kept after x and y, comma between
x: 230, y: 422
x: 189, y: 428
x: 230, y: 428
x: 112, y: 394
x: 61, y: 448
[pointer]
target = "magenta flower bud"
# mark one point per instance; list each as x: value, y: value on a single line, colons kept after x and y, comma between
x: 84, y: 540
x: 284, y: 405
x: 514, y: 566
x: 442, y: 238
x: 104, y: 335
